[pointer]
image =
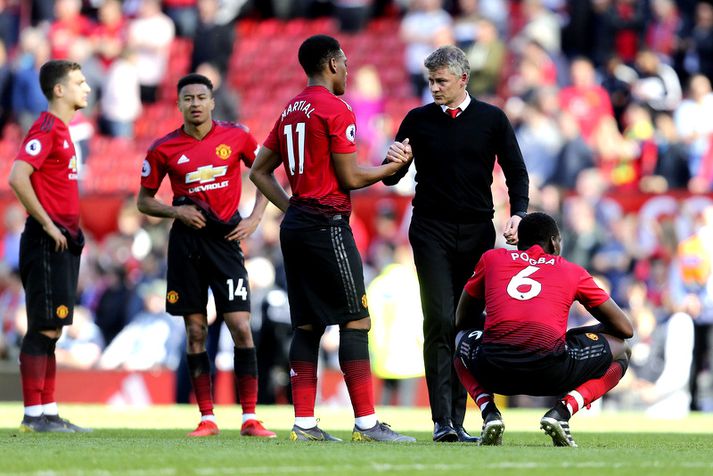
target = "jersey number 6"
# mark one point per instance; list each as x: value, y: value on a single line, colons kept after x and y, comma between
x: 522, y: 279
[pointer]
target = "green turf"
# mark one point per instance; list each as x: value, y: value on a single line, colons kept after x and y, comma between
x: 609, y: 443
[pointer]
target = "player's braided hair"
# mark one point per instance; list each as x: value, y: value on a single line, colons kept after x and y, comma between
x: 536, y: 229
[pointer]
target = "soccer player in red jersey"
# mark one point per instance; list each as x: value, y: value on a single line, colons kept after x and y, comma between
x: 524, y: 346
x: 44, y: 178
x: 315, y: 139
x: 202, y: 160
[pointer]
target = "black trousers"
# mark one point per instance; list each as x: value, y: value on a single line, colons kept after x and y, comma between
x: 445, y: 255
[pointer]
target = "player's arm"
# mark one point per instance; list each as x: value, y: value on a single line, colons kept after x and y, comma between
x: 469, y: 313
x: 613, y: 321
x: 248, y: 225
x: 262, y: 174
x: 148, y: 204
x: 22, y: 186
x: 351, y: 175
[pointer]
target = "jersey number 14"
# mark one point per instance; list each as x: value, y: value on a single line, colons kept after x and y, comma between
x: 290, y: 136
x: 237, y: 291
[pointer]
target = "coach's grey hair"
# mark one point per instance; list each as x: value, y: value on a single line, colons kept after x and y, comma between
x: 450, y: 57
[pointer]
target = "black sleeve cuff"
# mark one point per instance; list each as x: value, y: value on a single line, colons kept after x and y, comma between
x: 520, y: 214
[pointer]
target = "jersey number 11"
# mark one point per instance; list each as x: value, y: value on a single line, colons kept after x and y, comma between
x: 300, y: 133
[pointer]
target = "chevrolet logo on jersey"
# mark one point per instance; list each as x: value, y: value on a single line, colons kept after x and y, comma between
x: 206, y: 174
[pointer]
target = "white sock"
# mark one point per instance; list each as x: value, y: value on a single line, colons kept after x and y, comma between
x: 249, y: 416
x: 306, y: 422
x: 208, y: 418
x: 365, y: 422
x: 50, y: 409
x: 33, y: 410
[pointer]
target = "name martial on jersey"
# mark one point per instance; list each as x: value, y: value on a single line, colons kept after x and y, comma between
x: 296, y: 106
x: 205, y: 170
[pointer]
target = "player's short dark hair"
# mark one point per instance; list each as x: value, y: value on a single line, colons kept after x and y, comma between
x: 193, y: 78
x: 54, y: 72
x: 316, y: 51
x: 536, y: 229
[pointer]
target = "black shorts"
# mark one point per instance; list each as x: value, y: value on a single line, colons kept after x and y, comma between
x: 325, y: 279
x: 201, y: 259
x: 587, y: 356
x: 49, y: 277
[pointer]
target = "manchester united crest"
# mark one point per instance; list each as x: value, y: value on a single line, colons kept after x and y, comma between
x: 364, y: 302
x: 172, y: 297
x: 592, y: 336
x: 62, y: 311
x: 223, y: 151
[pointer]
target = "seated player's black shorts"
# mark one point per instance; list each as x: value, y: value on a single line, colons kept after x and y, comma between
x: 49, y: 277
x: 202, y: 259
x: 325, y: 279
x: 587, y: 356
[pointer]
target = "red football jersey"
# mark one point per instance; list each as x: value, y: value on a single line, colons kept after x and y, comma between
x: 528, y: 295
x: 49, y: 149
x: 206, y: 171
x: 314, y: 125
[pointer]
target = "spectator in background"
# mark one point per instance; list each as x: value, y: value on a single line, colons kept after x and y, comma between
x: 671, y: 154
x: 539, y: 137
x: 693, y: 122
x: 368, y: 101
x: 184, y: 15
x: 664, y: 29
x: 620, y: 28
x: 227, y: 100
x: 588, y: 102
x: 574, y: 156
x: 661, y: 358
x: 121, y: 97
x: 28, y: 102
x: 212, y: 41
x: 425, y: 27
x: 691, y: 283
x: 617, y: 79
x: 9, y: 23
x: 112, y: 301
x: 152, y: 340
x: 68, y: 25
x: 5, y: 88
x: 487, y: 59
x: 541, y: 26
x: 352, y: 15
x: 701, y: 42
x: 81, y: 346
x: 657, y: 86
x: 109, y: 36
x: 465, y: 25
x: 13, y: 223
x: 396, y: 335
x: 151, y: 34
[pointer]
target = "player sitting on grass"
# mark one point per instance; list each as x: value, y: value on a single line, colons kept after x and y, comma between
x: 523, y: 346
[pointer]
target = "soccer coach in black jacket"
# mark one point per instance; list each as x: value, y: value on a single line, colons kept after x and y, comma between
x: 455, y: 141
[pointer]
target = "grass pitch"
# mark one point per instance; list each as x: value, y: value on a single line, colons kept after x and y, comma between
x: 151, y: 441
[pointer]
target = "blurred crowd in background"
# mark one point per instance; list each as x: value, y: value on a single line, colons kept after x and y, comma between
x: 611, y: 101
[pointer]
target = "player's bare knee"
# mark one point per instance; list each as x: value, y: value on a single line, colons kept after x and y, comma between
x: 196, y: 333
x: 360, y: 324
